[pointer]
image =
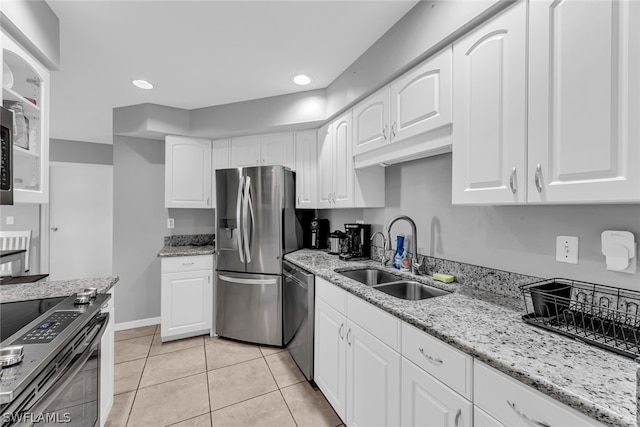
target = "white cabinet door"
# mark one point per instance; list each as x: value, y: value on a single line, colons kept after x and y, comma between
x: 106, y: 363
x: 330, y: 355
x: 371, y: 120
x: 489, y: 137
x: 343, y: 161
x: 278, y: 149
x: 428, y: 402
x: 584, y: 81
x: 245, y: 152
x: 514, y: 404
x: 186, y: 304
x: 482, y: 419
x: 306, y: 170
x: 373, y: 380
x: 187, y: 172
x: 325, y: 167
x: 421, y: 98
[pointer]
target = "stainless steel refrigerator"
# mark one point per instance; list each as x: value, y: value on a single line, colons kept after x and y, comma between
x: 256, y: 226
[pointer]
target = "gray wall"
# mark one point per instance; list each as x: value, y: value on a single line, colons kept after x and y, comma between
x: 140, y: 224
x: 513, y: 238
x: 25, y: 217
x: 61, y: 150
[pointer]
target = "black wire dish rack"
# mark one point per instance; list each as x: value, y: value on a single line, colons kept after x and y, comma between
x: 601, y: 315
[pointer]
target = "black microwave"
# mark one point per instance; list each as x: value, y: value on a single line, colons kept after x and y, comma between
x: 6, y: 173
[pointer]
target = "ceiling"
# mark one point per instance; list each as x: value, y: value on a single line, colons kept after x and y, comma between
x: 200, y: 53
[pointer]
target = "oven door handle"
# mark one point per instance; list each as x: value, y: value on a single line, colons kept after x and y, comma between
x: 63, y: 380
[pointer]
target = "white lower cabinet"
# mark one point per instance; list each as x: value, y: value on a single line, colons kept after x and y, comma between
x: 482, y: 419
x: 186, y: 301
x: 428, y: 402
x: 107, y: 363
x: 373, y: 380
x: 329, y: 355
x: 514, y: 404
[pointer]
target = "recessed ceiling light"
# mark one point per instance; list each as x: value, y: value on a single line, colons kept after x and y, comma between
x: 301, y: 79
x: 142, y: 84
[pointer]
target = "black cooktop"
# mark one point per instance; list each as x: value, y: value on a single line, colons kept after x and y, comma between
x: 16, y: 315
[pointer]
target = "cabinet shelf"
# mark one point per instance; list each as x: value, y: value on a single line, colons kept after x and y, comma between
x: 30, y: 109
x: 19, y: 151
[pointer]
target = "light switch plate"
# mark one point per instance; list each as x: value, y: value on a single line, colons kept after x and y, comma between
x: 170, y: 223
x: 567, y: 249
x: 9, y: 220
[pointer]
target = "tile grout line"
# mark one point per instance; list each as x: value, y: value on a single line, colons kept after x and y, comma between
x: 206, y: 374
x: 280, y: 390
x: 135, y: 394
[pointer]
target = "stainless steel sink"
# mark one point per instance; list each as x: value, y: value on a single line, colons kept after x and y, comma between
x: 410, y: 290
x: 371, y: 276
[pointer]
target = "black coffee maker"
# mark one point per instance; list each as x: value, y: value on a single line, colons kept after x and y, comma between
x: 319, y: 233
x: 357, y: 245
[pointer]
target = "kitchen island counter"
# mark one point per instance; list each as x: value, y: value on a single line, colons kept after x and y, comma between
x: 489, y: 327
x: 59, y: 288
x: 173, y: 251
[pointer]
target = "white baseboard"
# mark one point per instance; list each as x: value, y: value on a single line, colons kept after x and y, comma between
x: 137, y: 323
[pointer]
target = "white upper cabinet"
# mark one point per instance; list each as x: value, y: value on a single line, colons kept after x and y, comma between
x: 340, y: 185
x: 220, y: 153
x: 371, y: 122
x: 306, y: 169
x: 325, y: 167
x: 245, y: 152
x: 343, y: 161
x: 489, y: 136
x: 421, y: 98
x: 278, y: 149
x: 584, y: 91
x: 188, y: 173
x: 28, y: 96
x: 263, y: 150
x: 408, y: 119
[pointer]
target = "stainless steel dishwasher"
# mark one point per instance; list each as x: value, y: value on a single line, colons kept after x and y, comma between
x: 299, y: 295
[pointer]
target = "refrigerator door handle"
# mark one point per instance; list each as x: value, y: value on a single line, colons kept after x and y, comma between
x: 247, y: 206
x: 248, y: 281
x: 239, y: 242
x: 252, y: 230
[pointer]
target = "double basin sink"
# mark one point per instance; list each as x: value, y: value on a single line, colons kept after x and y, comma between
x: 392, y: 284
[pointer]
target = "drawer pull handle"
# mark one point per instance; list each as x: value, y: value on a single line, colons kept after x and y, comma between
x: 526, y: 417
x: 186, y: 264
x: 457, y: 421
x: 341, y: 331
x: 431, y: 359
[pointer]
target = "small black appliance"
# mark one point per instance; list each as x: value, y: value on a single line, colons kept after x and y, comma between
x: 319, y: 230
x: 357, y: 245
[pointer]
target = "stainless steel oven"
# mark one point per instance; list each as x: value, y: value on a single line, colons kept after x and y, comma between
x: 58, y: 380
x: 6, y: 153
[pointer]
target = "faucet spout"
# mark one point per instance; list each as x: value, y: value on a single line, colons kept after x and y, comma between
x: 384, y: 259
x: 414, y: 241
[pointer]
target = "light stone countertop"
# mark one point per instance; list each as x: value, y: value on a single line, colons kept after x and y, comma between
x: 489, y: 327
x: 173, y: 251
x: 60, y: 288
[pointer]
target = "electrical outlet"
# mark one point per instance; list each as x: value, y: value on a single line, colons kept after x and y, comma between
x: 170, y: 223
x: 567, y: 249
x: 9, y: 220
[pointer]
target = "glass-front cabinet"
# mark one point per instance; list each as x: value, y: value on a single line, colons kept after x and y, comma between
x: 25, y: 90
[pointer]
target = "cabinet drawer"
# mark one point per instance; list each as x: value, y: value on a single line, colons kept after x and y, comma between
x: 513, y: 403
x: 377, y: 322
x: 332, y: 295
x: 187, y: 263
x: 449, y: 365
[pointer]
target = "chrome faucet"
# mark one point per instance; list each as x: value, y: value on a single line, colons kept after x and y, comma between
x: 384, y: 259
x: 414, y: 268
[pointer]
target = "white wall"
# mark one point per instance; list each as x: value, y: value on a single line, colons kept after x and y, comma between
x: 140, y: 224
x: 517, y: 238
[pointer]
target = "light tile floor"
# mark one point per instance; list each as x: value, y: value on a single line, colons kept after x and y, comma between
x: 205, y: 381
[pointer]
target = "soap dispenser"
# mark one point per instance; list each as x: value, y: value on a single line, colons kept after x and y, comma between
x: 397, y: 259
